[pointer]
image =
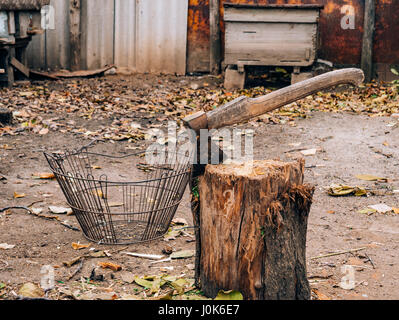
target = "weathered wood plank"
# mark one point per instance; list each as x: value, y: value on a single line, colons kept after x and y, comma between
x: 271, y: 43
x: 74, y: 34
x: 368, y: 38
x: 271, y: 15
x: 215, y: 41
x: 19, y: 66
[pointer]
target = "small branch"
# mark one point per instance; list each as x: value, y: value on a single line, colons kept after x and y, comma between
x: 369, y: 260
x: 41, y: 216
x: 338, y: 253
x: 77, y: 269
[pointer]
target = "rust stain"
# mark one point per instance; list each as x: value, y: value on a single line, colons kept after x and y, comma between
x: 341, y: 46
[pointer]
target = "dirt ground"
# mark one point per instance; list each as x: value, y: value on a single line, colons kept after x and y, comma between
x: 347, y: 143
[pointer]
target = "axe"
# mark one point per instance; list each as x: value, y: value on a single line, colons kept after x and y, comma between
x: 244, y: 108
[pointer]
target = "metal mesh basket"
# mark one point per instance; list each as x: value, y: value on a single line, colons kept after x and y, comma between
x: 132, y: 202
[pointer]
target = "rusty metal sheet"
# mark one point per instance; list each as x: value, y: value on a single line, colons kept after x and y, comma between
x: 198, y: 36
x: 339, y: 45
x: 386, y: 44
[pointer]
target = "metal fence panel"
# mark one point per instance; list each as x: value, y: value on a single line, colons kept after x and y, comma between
x: 142, y: 35
x: 161, y: 36
x: 98, y: 33
x: 125, y: 34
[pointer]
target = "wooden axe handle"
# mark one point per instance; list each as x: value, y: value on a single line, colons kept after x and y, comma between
x: 243, y: 108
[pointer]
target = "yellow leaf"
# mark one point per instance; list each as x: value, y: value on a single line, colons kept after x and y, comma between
x: 78, y: 246
x: 19, y: 195
x: 395, y: 210
x: 43, y: 175
x: 144, y: 283
x: 229, y: 295
x: 369, y: 177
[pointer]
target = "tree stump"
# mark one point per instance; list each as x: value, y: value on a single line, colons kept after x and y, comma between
x: 253, y: 223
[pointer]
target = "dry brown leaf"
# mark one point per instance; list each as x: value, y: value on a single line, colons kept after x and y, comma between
x: 320, y: 296
x: 43, y: 175
x: 43, y: 131
x: 78, y: 246
x: 19, y: 195
x: 72, y: 262
x: 110, y: 265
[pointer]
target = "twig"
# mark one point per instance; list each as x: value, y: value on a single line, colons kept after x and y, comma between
x: 119, y: 250
x: 41, y: 216
x: 34, y: 202
x: 338, y: 253
x: 369, y: 260
x: 80, y: 266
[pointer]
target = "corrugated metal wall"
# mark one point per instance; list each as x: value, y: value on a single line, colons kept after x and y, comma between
x: 162, y: 36
x: 125, y: 33
x: 141, y: 35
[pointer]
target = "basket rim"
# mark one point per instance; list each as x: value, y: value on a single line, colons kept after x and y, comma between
x: 184, y: 169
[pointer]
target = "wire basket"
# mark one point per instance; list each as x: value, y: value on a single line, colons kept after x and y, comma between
x: 110, y: 207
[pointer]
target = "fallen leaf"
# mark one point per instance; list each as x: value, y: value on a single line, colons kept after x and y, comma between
x: 110, y: 265
x: 129, y: 297
x: 127, y: 277
x: 30, y: 290
x: 25, y: 93
x: 97, y: 254
x: 229, y: 295
x: 143, y: 282
x: 369, y: 177
x: 179, y: 221
x: 78, y: 246
x: 320, y: 295
x: 43, y: 131
x: 183, y: 254
x: 6, y: 246
x: 72, y: 262
x: 43, y: 175
x: 19, y: 195
x: 60, y: 210
x: 395, y: 210
x: 309, y: 152
x: 115, y: 204
x: 180, y: 284
x: 37, y: 210
x: 343, y: 190
x: 381, y: 208
x: 367, y: 211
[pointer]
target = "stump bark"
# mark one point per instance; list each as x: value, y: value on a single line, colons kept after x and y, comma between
x: 253, y: 223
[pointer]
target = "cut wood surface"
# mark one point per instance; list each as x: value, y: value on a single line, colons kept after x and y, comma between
x: 253, y: 223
